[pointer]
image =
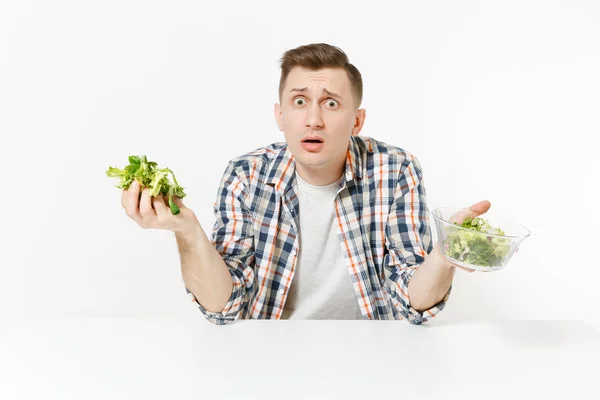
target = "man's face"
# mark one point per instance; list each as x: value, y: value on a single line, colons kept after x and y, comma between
x: 320, y: 105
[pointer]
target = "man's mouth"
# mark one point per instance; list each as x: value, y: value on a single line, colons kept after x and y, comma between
x: 312, y: 143
x: 313, y: 139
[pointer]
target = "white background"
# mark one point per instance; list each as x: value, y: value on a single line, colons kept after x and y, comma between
x: 498, y: 100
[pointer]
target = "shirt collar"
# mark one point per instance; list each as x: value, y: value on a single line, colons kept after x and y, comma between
x: 282, y: 169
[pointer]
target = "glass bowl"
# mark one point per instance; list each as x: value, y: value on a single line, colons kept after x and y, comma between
x: 488, y: 250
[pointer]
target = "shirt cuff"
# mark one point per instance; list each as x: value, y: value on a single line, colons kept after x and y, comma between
x: 401, y: 277
x: 418, y: 317
x: 232, y: 308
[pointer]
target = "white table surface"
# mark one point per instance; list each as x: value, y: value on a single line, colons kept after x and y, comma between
x: 187, y: 357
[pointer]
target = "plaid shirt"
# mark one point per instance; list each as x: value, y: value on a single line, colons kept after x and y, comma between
x: 382, y: 220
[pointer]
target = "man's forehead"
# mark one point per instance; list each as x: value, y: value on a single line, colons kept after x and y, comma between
x: 336, y: 78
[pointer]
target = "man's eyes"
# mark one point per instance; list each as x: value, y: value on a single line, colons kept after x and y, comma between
x: 300, y: 101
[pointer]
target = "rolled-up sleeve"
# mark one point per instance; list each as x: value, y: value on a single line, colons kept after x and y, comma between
x: 232, y: 236
x: 408, y: 241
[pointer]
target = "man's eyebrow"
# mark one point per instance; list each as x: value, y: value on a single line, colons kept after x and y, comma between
x: 332, y: 94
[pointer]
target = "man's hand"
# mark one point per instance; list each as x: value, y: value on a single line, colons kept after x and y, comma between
x: 474, y: 211
x: 154, y: 212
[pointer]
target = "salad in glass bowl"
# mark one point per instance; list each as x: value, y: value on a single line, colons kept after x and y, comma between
x: 484, y: 243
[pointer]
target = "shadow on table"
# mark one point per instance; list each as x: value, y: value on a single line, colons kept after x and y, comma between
x: 529, y: 333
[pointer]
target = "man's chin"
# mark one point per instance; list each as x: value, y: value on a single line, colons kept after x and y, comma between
x: 311, y: 160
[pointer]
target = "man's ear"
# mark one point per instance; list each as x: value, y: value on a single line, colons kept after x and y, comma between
x: 277, y: 112
x: 361, y: 115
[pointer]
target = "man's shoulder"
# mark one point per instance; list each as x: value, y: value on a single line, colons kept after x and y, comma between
x: 375, y: 148
x: 261, y: 156
x: 256, y: 163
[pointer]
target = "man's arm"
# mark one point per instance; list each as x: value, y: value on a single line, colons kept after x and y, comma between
x: 408, y: 240
x: 429, y: 285
x: 206, y: 264
x: 204, y: 272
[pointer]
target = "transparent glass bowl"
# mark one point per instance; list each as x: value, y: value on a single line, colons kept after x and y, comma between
x: 474, y: 250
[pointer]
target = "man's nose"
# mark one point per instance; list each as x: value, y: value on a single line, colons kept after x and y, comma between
x: 314, y: 117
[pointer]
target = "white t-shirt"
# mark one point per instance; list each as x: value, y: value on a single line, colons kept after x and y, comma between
x: 321, y: 287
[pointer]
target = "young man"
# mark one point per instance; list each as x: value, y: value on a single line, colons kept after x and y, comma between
x: 328, y: 225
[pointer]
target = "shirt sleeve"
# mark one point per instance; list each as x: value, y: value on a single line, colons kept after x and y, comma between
x: 408, y: 240
x: 233, y: 237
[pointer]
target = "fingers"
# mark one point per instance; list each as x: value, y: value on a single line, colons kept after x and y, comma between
x: 461, y: 215
x: 461, y: 267
x: 474, y: 211
x: 178, y: 201
x: 480, y: 208
x: 465, y: 269
x: 160, y: 204
x: 146, y: 210
x: 130, y: 200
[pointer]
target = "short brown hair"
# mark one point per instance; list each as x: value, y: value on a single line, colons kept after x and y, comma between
x: 317, y: 56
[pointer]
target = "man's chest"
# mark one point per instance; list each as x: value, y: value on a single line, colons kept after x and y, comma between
x: 359, y: 215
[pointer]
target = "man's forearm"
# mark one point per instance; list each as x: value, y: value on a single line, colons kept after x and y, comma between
x: 431, y: 282
x: 204, y: 272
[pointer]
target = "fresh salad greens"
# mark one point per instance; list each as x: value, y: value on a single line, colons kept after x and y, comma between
x: 474, y: 248
x: 148, y: 176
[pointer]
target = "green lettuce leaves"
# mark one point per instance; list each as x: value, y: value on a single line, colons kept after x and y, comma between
x: 149, y: 176
x: 473, y: 246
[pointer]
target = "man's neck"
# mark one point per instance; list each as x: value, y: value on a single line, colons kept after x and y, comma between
x: 319, y: 177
